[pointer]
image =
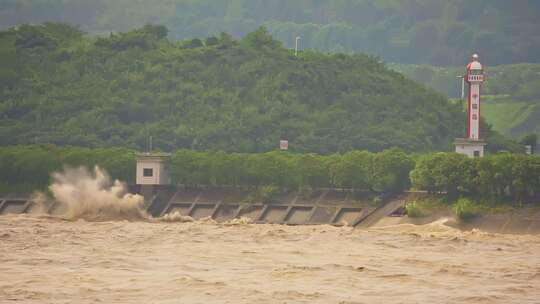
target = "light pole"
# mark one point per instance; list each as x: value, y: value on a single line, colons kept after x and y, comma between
x: 462, y: 86
x: 296, y: 46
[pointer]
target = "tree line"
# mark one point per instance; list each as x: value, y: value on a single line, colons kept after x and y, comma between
x: 501, y: 177
x: 386, y: 171
x: 26, y: 168
x: 443, y: 32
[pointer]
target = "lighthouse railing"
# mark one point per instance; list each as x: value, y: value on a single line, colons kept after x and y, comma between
x: 475, y: 78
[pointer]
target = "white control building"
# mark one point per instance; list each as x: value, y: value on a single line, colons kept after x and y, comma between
x: 153, y: 169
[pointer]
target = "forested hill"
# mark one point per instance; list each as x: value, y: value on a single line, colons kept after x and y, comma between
x: 60, y: 86
x: 438, y: 32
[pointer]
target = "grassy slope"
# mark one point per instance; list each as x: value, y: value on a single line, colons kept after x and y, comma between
x: 512, y: 117
x: 505, y: 115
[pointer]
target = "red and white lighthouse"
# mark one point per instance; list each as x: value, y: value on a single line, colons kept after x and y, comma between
x: 475, y: 78
x: 472, y: 145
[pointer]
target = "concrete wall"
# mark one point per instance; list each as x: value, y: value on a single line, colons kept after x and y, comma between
x: 469, y: 150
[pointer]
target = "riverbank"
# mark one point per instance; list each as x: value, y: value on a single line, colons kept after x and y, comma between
x: 493, y: 218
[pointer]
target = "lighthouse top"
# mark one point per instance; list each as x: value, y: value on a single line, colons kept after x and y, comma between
x: 475, y: 64
x: 475, y: 71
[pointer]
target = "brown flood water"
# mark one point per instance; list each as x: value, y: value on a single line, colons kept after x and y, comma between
x: 48, y: 260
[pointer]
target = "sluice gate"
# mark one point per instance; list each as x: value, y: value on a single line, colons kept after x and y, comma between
x: 325, y: 207
x: 23, y: 205
x: 15, y: 205
x: 270, y: 213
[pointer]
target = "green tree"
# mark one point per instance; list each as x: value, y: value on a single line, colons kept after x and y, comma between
x: 444, y: 172
x: 312, y: 170
x: 391, y: 170
x: 354, y: 170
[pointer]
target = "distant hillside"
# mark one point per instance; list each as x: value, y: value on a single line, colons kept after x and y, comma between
x: 439, y: 32
x: 511, y: 100
x: 60, y: 86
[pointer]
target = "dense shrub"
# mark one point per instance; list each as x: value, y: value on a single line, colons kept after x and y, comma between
x: 465, y: 209
x: 413, y: 210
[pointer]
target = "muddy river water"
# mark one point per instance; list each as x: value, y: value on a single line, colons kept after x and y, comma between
x: 48, y: 260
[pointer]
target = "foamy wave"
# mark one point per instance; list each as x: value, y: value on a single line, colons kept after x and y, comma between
x: 239, y: 221
x: 438, y: 228
x: 176, y: 217
x: 93, y: 196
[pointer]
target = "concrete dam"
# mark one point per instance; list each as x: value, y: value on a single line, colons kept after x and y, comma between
x: 330, y: 207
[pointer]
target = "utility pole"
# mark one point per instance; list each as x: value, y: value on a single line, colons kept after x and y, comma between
x: 462, y: 86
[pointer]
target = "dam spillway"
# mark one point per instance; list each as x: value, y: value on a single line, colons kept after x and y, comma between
x: 324, y: 207
x: 339, y: 208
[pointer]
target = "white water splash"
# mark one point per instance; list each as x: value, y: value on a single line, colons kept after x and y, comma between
x: 91, y: 195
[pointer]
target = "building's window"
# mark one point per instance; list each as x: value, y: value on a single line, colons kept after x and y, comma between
x: 475, y: 117
x: 148, y: 172
x: 476, y: 153
x: 475, y: 106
